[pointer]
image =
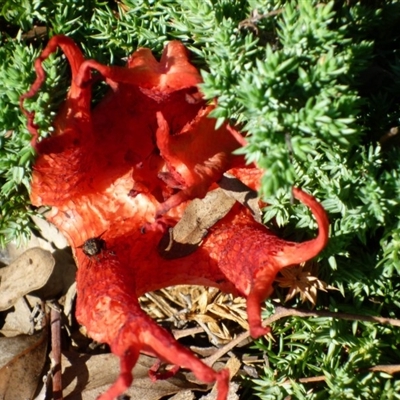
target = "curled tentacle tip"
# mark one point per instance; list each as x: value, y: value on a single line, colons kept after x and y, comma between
x: 156, y: 375
x: 258, y: 331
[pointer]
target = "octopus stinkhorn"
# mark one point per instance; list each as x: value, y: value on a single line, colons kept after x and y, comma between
x: 116, y: 176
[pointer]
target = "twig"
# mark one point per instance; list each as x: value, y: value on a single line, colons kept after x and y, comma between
x: 36, y: 33
x: 389, y: 369
x: 178, y: 334
x: 223, y: 350
x: 311, y: 379
x: 282, y: 312
x: 389, y: 135
x: 55, y: 322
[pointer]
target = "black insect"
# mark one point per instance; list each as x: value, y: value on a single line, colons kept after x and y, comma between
x: 93, y: 246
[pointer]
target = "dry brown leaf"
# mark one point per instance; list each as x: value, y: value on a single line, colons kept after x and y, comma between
x: 27, y: 273
x: 199, y: 216
x: 232, y: 394
x: 236, y: 189
x: 21, y: 362
x: 302, y: 280
x: 236, y: 314
x: 50, y: 233
x: 13, y: 249
x: 233, y: 365
x: 61, y: 278
x: 88, y: 376
x: 207, y: 306
x: 162, y: 304
x: 25, y: 317
x: 201, y: 318
x: 203, y: 301
x: 184, y: 395
x: 69, y: 301
x: 178, y: 295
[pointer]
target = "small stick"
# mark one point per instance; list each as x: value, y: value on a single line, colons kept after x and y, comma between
x: 283, y: 312
x: 55, y: 323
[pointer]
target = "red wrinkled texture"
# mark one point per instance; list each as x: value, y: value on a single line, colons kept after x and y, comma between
x: 125, y: 170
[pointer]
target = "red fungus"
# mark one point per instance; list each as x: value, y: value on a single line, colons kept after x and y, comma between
x: 135, y: 161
